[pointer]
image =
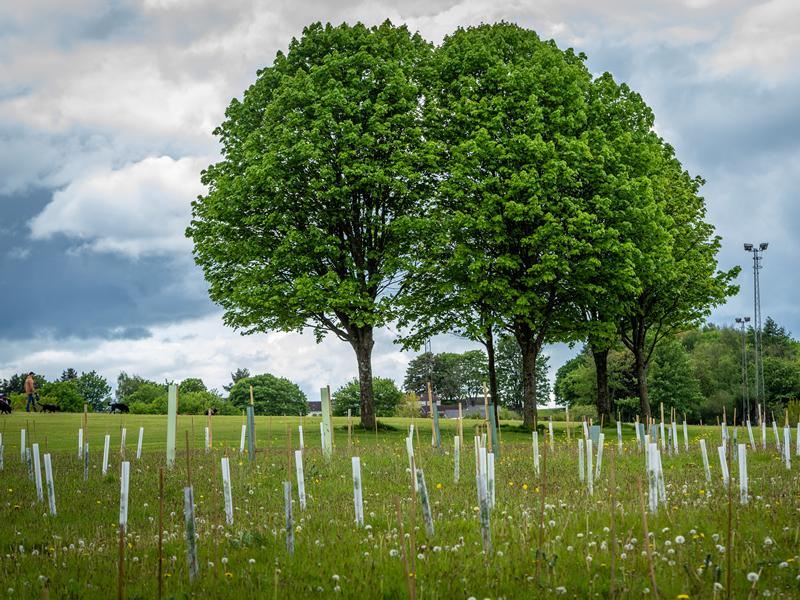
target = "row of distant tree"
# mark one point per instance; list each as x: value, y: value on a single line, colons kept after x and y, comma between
x: 272, y: 395
x: 698, y: 372
x: 454, y: 377
x: 69, y: 392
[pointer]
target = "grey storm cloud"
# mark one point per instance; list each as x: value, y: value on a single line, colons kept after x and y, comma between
x: 106, y: 118
x: 47, y: 288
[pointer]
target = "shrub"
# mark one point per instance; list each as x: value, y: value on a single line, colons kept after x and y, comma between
x: 409, y: 406
x: 64, y: 394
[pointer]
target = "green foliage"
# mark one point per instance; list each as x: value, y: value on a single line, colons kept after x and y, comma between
x: 777, y: 341
x: 198, y: 403
x: 94, y: 389
x: 672, y: 380
x: 453, y: 376
x: 627, y: 408
x: 699, y: 371
x: 409, y: 406
x: 63, y: 393
x: 387, y: 398
x: 69, y: 374
x: 793, y: 411
x: 151, y: 393
x: 236, y: 376
x: 508, y: 362
x: 324, y: 161
x: 271, y: 396
x: 574, y: 382
x: 192, y: 384
x: 127, y: 385
x: 579, y: 411
x: 675, y: 262
x: 16, y: 383
x: 781, y: 380
x: 521, y: 192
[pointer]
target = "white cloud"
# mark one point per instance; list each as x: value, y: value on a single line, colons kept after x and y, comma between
x: 142, y: 208
x: 205, y: 348
x: 765, y: 40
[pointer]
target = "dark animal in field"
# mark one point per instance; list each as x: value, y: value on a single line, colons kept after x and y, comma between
x: 212, y: 411
x: 119, y: 407
x: 49, y: 407
x: 5, y: 406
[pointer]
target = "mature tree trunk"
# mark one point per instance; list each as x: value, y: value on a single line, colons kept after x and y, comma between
x: 492, y: 371
x: 363, y: 342
x: 603, y: 395
x: 529, y: 345
x: 641, y: 382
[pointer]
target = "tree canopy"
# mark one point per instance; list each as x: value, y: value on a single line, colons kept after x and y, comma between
x: 271, y: 395
x: 323, y: 161
x: 387, y: 398
x: 489, y: 186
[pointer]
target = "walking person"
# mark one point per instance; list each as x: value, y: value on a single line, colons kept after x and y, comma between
x: 30, y: 389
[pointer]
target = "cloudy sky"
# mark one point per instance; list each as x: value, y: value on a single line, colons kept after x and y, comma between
x: 106, y: 114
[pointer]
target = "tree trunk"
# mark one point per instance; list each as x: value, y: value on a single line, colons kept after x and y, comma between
x: 363, y: 343
x: 641, y: 383
x: 492, y: 372
x: 530, y: 351
x: 603, y: 395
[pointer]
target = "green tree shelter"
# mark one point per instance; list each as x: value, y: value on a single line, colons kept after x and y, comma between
x: 324, y: 163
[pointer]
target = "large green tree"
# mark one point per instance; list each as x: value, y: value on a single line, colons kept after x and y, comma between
x: 509, y: 375
x: 672, y: 380
x: 324, y: 164
x: 95, y: 390
x: 676, y: 264
x: 621, y: 137
x: 271, y: 395
x: 510, y: 114
x: 453, y: 376
x: 387, y: 398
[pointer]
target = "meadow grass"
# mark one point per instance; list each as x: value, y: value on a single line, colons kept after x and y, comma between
x: 549, y: 536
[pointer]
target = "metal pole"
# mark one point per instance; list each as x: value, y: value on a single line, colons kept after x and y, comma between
x: 757, y: 251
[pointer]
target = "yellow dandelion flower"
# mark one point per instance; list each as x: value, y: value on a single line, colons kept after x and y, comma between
x: 524, y: 486
x: 683, y: 596
x: 438, y: 486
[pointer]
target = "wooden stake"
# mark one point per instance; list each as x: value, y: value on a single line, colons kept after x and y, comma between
x: 569, y: 435
x: 460, y: 424
x: 330, y: 417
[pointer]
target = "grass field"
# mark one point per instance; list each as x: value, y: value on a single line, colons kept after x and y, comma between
x: 549, y: 536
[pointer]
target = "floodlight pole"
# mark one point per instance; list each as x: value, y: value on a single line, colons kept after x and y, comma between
x: 758, y: 252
